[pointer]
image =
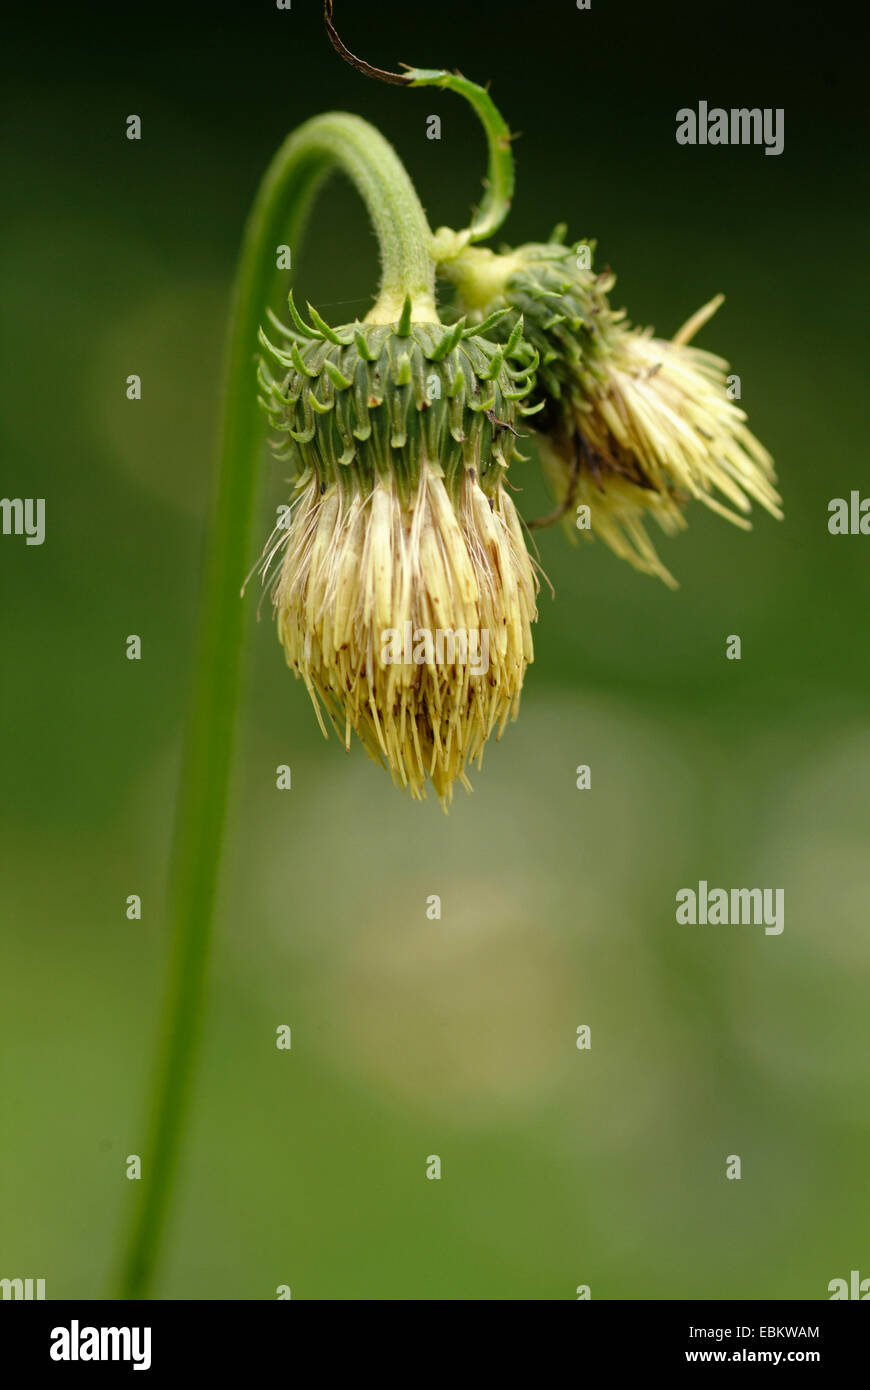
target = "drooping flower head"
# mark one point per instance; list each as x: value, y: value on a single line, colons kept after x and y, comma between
x: 634, y: 427
x: 402, y: 585
x: 403, y: 589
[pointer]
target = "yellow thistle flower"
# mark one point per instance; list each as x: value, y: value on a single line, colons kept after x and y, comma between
x: 405, y: 594
x: 634, y: 426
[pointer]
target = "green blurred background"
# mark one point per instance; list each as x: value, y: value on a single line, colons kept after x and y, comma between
x: 411, y: 1037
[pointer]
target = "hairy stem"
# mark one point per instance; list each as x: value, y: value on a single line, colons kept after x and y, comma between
x: 277, y: 217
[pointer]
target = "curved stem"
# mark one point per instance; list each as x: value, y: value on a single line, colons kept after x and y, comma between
x: 278, y: 217
x: 499, y: 181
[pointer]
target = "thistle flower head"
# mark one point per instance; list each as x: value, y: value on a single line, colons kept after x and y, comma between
x: 634, y: 427
x: 403, y: 589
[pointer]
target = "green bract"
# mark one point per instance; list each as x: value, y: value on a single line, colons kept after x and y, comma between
x: 384, y: 397
x: 563, y: 304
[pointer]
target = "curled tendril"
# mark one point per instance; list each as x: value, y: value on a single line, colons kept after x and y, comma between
x: 499, y: 182
x: 398, y: 78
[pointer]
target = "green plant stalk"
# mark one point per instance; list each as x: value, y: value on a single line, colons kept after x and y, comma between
x: 496, y: 202
x: 278, y: 217
x: 499, y: 182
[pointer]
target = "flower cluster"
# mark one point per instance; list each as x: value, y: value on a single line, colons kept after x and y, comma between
x: 402, y: 432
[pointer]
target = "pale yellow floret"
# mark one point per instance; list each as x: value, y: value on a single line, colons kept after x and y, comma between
x: 662, y: 406
x: 356, y: 565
